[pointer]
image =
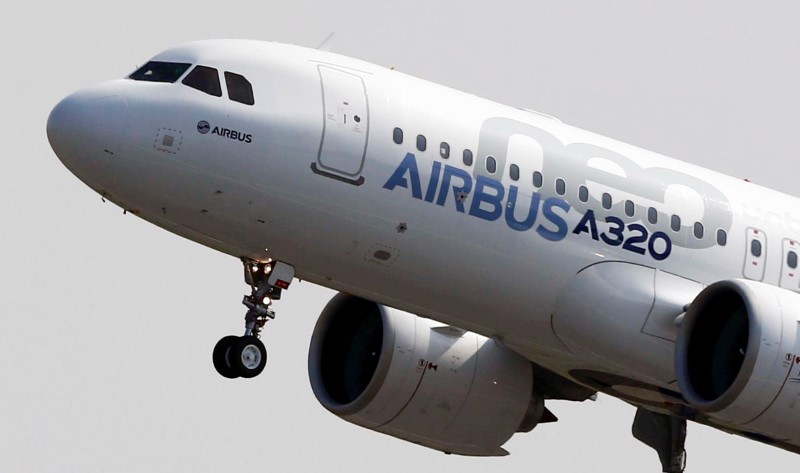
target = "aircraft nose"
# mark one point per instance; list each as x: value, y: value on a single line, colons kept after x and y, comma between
x: 86, y: 129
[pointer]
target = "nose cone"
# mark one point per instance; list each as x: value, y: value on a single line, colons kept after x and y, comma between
x: 85, y: 131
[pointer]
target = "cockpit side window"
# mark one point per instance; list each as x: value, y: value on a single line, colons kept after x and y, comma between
x: 204, y: 79
x: 158, y: 71
x: 239, y: 88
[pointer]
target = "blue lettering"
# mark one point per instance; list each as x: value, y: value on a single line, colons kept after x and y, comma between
x: 398, y: 178
x: 561, y: 225
x: 587, y: 224
x: 489, y: 200
x: 459, y: 192
x: 651, y: 245
x: 430, y: 193
x: 631, y: 242
x: 533, y: 210
x: 616, y: 227
x: 495, y: 201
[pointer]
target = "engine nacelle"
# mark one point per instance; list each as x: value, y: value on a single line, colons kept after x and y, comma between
x: 736, y: 350
x: 420, y: 380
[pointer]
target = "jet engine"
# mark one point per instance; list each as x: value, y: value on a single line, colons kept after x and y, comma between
x: 420, y: 380
x: 737, y: 356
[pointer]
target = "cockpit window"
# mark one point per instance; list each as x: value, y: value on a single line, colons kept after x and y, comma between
x: 204, y: 79
x: 239, y: 88
x: 158, y: 71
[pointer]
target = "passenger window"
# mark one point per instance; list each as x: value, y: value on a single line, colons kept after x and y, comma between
x: 652, y: 215
x: 675, y: 223
x: 561, y: 186
x: 630, y: 208
x: 537, y: 179
x: 422, y: 143
x: 722, y: 237
x: 491, y: 164
x: 756, y: 255
x: 607, y: 202
x: 239, y: 88
x: 158, y: 71
x: 397, y: 136
x: 583, y: 194
x: 791, y: 260
x: 514, y: 172
x: 444, y: 150
x: 468, y: 157
x: 205, y: 79
x: 698, y: 230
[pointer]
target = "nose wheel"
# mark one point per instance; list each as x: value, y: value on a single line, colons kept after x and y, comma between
x: 239, y: 357
x: 246, y: 356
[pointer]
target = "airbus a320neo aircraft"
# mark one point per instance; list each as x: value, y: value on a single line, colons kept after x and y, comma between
x: 489, y: 258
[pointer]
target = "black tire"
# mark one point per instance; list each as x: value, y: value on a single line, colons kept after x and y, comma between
x: 248, y: 356
x: 221, y: 357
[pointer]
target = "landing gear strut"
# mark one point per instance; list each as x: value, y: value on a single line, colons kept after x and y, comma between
x: 246, y: 356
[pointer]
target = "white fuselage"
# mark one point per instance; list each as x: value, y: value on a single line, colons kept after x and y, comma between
x: 313, y: 175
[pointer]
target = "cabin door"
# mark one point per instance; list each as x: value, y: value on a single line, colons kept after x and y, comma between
x: 345, y: 129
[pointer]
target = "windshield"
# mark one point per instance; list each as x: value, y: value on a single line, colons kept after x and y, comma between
x: 239, y: 88
x: 204, y: 79
x: 157, y: 71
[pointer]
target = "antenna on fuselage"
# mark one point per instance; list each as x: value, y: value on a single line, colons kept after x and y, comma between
x: 327, y: 45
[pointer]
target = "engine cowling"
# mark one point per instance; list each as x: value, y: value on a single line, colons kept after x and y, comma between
x: 736, y: 350
x: 420, y: 380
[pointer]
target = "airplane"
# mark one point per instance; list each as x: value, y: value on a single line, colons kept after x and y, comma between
x: 488, y: 258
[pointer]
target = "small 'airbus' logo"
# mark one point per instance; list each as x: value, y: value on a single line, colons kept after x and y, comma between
x: 204, y: 128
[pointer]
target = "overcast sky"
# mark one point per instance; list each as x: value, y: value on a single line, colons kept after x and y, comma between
x: 107, y: 322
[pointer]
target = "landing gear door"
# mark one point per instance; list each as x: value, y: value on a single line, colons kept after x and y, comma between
x: 790, y: 276
x: 345, y: 129
x: 755, y: 254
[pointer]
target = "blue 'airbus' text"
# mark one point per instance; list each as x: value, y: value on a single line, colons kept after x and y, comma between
x: 491, y: 201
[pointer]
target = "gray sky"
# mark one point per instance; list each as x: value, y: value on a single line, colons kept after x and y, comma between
x: 107, y: 322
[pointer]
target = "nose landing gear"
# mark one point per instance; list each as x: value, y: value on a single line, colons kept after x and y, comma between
x: 246, y: 356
